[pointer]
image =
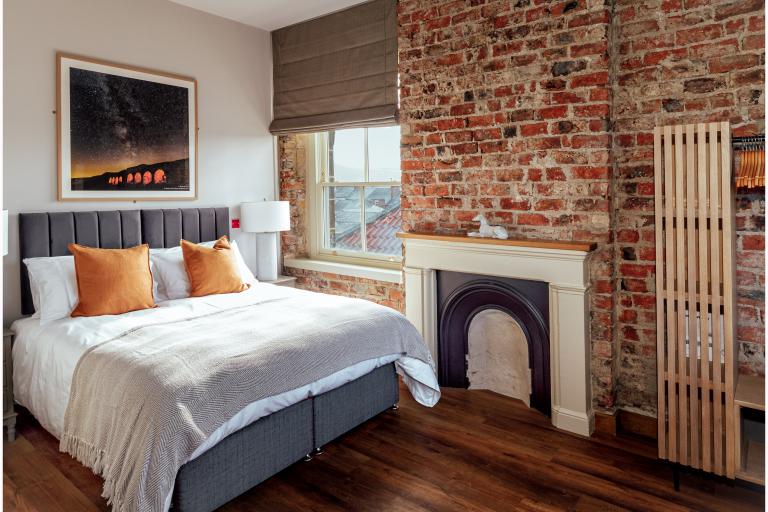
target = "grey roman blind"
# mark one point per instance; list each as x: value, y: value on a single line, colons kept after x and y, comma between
x: 337, y: 71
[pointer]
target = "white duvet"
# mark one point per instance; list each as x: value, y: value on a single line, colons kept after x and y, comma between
x: 44, y: 360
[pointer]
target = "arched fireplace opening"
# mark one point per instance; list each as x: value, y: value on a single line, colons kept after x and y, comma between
x: 462, y: 297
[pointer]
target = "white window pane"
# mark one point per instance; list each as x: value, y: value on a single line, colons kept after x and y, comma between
x: 382, y: 220
x: 384, y: 153
x: 347, y: 158
x: 343, y: 218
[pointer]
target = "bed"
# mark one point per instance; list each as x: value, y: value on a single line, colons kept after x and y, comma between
x: 264, y: 436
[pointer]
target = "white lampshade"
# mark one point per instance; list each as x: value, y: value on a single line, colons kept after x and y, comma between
x: 265, y: 217
x: 5, y: 232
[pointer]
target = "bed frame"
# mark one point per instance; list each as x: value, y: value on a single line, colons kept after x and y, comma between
x: 265, y: 447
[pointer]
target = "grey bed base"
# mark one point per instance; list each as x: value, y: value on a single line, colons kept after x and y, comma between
x: 264, y: 448
x: 267, y: 446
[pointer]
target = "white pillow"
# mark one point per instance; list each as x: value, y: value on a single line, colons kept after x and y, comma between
x: 54, y: 286
x: 53, y: 283
x: 173, y: 282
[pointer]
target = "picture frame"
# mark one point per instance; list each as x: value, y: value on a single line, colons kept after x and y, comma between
x: 124, y: 133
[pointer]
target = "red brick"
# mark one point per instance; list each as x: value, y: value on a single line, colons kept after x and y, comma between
x: 698, y: 34
x: 732, y: 62
x: 448, y: 202
x: 589, y: 49
x: 411, y: 165
x: 462, y: 136
x: 450, y: 124
x: 490, y: 133
x: 633, y: 270
x: 737, y: 7
x: 475, y: 121
x: 591, y: 141
x: 532, y: 219
x: 599, y: 78
x: 756, y: 23
x: 549, y: 204
x: 556, y: 175
x: 751, y: 77
x: 599, y: 110
x: 644, y: 301
x: 627, y: 235
x: 438, y: 23
x: 753, y: 242
x: 653, y: 58
x: 553, y: 112
x: 493, y: 147
x: 507, y: 203
x: 462, y: 110
x: 450, y: 59
x: 463, y: 149
x: 755, y: 42
x: 528, y: 130
x: 568, y: 97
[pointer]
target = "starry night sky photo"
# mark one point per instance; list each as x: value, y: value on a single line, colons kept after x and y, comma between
x: 121, y: 126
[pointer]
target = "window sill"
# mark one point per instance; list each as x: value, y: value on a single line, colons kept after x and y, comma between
x: 346, y: 269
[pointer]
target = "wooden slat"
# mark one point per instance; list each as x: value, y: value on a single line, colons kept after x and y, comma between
x: 729, y: 276
x: 680, y: 277
x: 671, y: 345
x: 660, y: 337
x: 672, y: 295
x: 702, y: 171
x: 715, y: 251
x: 703, y: 384
x: 690, y: 214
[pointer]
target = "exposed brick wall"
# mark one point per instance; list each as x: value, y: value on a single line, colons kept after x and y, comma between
x: 681, y: 62
x: 539, y: 114
x: 294, y: 243
x: 505, y: 109
x: 292, y: 172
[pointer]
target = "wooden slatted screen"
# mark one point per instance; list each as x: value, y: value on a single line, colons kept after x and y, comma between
x: 695, y: 295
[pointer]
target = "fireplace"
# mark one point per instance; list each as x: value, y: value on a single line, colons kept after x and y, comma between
x: 495, y: 268
x: 522, y: 307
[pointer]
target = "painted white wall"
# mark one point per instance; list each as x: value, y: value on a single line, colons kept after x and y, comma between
x: 231, y: 62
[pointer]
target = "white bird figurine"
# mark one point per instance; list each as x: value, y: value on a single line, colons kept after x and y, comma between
x: 488, y: 231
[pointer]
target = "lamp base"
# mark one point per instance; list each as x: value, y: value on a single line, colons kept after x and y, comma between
x: 266, y: 256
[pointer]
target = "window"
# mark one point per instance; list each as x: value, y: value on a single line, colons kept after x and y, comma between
x: 356, y: 196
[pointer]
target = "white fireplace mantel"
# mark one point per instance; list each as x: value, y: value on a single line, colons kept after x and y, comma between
x: 560, y: 264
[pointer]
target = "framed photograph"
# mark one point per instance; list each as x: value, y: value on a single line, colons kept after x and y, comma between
x: 124, y: 133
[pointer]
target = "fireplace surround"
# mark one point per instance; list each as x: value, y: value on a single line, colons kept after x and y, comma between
x: 561, y: 265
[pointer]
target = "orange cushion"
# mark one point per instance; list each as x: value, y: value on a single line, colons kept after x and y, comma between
x: 212, y: 271
x: 112, y: 281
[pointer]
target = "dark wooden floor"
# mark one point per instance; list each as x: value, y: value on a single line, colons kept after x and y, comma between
x: 474, y: 451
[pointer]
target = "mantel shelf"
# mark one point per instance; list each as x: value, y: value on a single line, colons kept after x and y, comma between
x: 516, y: 242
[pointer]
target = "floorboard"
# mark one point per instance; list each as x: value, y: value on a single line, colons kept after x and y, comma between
x: 475, y: 451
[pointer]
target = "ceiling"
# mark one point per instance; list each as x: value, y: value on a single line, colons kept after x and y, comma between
x: 268, y: 14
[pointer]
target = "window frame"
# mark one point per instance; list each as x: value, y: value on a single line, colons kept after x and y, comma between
x: 317, y: 156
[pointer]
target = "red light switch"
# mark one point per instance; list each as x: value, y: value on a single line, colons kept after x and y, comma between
x: 235, y: 223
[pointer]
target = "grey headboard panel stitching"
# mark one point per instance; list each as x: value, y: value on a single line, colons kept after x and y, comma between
x: 48, y: 234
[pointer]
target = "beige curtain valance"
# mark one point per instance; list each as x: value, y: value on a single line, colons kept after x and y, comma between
x: 337, y: 71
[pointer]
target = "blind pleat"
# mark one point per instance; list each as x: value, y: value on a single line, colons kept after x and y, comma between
x: 337, y: 71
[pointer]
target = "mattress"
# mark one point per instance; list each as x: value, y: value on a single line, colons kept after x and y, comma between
x: 45, y: 357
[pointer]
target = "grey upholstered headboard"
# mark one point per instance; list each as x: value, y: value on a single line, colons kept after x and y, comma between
x: 49, y: 234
